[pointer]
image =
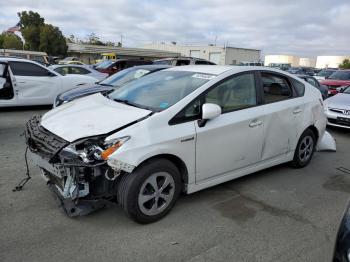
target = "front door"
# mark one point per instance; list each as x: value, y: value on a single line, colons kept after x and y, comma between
x: 35, y: 84
x: 7, y: 93
x: 233, y: 140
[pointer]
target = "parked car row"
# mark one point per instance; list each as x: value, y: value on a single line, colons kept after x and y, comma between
x: 167, y: 130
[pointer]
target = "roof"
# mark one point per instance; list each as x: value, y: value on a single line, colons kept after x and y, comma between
x: 152, y: 67
x: 15, y: 51
x: 120, y: 51
x: 181, y: 57
x: 217, y: 70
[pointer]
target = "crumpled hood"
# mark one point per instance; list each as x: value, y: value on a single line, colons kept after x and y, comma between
x: 340, y: 101
x: 90, y: 116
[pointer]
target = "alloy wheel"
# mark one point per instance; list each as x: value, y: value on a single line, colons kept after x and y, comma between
x: 156, y: 193
x: 306, y: 148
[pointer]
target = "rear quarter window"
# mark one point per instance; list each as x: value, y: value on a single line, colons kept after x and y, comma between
x: 299, y: 87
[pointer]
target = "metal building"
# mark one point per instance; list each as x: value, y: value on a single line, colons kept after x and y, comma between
x: 89, y: 53
x: 226, y: 55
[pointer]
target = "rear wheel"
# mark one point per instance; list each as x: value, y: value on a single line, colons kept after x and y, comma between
x: 150, y: 192
x: 305, y: 149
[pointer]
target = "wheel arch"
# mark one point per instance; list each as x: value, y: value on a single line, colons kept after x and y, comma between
x: 177, y: 161
x: 314, y: 130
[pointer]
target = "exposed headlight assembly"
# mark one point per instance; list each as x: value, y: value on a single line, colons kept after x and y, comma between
x: 93, y: 149
x: 113, y: 145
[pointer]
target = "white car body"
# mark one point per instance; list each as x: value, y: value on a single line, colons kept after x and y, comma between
x: 79, y: 70
x: 228, y: 146
x: 30, y: 89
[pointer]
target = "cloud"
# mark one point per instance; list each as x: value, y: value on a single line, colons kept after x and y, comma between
x: 306, y: 28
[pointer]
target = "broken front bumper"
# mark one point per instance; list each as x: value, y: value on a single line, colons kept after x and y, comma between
x: 71, y: 191
x: 80, y: 187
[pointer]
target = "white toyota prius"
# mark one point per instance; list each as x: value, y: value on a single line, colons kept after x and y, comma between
x: 178, y: 130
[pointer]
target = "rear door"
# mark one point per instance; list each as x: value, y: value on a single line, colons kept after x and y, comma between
x: 35, y: 84
x: 283, y: 110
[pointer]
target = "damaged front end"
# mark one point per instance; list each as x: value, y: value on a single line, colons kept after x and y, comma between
x: 77, y: 172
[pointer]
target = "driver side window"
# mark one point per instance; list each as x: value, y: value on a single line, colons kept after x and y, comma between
x: 232, y: 94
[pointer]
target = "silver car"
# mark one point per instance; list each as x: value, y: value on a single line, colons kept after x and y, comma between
x: 78, y: 70
x: 337, y: 109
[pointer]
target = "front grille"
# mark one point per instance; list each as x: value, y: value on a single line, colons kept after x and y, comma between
x: 42, y: 141
x: 336, y: 110
x: 339, y: 121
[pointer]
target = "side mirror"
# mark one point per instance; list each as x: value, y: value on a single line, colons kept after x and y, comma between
x: 209, y: 111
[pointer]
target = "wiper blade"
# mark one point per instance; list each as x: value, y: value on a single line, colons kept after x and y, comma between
x: 127, y: 102
x: 102, y: 84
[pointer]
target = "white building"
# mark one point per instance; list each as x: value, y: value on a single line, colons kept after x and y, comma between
x: 219, y: 55
x: 330, y: 61
x: 290, y: 59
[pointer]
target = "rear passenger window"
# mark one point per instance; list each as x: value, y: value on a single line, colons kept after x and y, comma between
x: 27, y: 69
x: 276, y: 88
x: 299, y: 87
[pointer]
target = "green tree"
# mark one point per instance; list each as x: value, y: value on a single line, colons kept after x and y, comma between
x: 30, y: 23
x: 1, y: 40
x: 10, y: 41
x: 345, y: 64
x: 52, y: 41
x: 93, y: 39
x: 40, y: 36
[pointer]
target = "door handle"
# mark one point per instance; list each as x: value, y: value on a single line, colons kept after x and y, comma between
x: 297, y: 111
x: 22, y: 82
x: 255, y: 123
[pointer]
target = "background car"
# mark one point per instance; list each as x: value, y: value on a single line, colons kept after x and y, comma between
x: 281, y: 66
x: 301, y: 71
x: 337, y: 109
x: 69, y: 69
x: 181, y: 61
x: 68, y: 60
x: 24, y: 82
x: 109, y: 84
x: 342, y: 243
x: 338, y: 79
x: 324, y: 73
x: 111, y: 67
x: 179, y: 129
x: 313, y: 81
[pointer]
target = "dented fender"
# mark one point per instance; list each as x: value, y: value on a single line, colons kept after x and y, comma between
x: 326, y: 143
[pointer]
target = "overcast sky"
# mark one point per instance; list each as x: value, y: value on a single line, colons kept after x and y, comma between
x: 301, y: 27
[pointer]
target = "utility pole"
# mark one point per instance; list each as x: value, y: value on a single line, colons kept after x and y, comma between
x: 121, y: 39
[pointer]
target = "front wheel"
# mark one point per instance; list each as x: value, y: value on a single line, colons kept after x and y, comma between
x: 305, y: 149
x: 150, y: 192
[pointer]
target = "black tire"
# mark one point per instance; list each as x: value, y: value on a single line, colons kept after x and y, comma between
x: 307, y: 137
x: 130, y: 185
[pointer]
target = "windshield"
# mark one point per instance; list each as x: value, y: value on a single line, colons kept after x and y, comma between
x: 104, y: 64
x: 340, y: 75
x: 325, y: 73
x: 162, y: 62
x: 160, y: 90
x: 124, y: 76
x: 347, y: 90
